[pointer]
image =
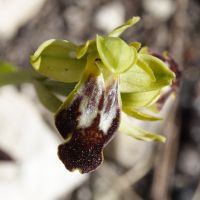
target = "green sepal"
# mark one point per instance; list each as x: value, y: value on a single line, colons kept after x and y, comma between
x: 119, y: 30
x: 56, y: 59
x: 140, y: 99
x: 116, y: 55
x: 7, y: 67
x: 158, y: 66
x: 140, y: 115
x: 46, y: 97
x: 143, y: 65
x: 89, y: 47
x: 137, y: 80
x: 127, y: 128
x: 137, y: 45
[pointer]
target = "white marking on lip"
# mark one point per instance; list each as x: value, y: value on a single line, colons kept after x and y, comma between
x: 88, y: 114
x: 107, y: 117
x: 89, y: 111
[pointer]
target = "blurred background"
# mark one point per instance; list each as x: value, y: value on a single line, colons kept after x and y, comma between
x: 132, y: 169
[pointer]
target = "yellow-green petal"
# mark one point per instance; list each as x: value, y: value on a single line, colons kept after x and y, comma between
x: 119, y: 30
x: 56, y: 59
x: 143, y: 65
x: 140, y: 115
x: 137, y: 80
x: 137, y: 45
x: 89, y: 47
x: 137, y: 100
x: 144, y: 50
x: 158, y: 66
x: 127, y: 128
x: 116, y: 55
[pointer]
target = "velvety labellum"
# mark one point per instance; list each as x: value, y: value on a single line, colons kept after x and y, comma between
x: 88, y: 123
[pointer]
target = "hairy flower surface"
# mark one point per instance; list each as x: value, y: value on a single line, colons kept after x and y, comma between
x: 114, y: 80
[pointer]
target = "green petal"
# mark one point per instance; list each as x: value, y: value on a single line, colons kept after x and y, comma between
x: 116, y: 55
x: 119, y: 30
x: 140, y: 115
x: 143, y: 65
x: 90, y: 46
x: 46, y: 97
x: 127, y: 128
x: 137, y: 80
x: 56, y: 59
x: 137, y: 45
x: 140, y: 100
x: 159, y: 67
x: 7, y: 67
x: 144, y: 50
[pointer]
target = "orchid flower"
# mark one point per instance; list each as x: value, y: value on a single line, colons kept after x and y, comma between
x: 114, y: 80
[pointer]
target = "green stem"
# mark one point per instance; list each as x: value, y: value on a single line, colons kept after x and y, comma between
x: 19, y: 77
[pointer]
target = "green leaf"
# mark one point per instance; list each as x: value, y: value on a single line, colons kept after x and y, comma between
x: 116, y: 55
x: 140, y: 99
x: 137, y: 45
x: 143, y: 65
x: 46, y: 97
x: 56, y: 59
x: 140, y: 115
x: 89, y: 47
x: 119, y: 30
x: 127, y: 128
x: 137, y: 80
x: 7, y: 67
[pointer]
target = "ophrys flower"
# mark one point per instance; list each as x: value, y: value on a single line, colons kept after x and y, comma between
x: 114, y: 79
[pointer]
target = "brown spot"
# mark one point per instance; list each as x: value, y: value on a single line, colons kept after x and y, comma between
x: 100, y: 107
x: 89, y: 86
x: 111, y: 96
x: 91, y: 90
